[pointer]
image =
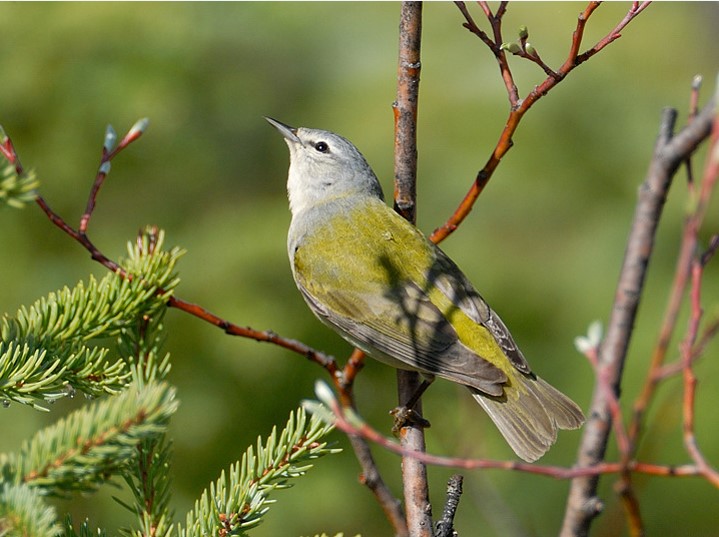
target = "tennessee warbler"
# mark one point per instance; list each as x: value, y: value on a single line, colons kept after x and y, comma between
x: 375, y: 279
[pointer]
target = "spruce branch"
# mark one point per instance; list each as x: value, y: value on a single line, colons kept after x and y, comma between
x: 30, y: 375
x: 238, y: 500
x: 147, y: 475
x: 17, y: 190
x: 85, y: 530
x: 148, y: 478
x: 47, y: 351
x: 25, y: 513
x: 92, y: 444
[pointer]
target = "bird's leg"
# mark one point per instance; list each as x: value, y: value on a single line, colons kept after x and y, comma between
x: 404, y: 415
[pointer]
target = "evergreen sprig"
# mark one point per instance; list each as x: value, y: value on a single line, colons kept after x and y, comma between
x: 237, y: 502
x: 148, y: 478
x: 92, y: 444
x: 23, y: 512
x: 85, y: 530
x: 47, y: 351
x: 17, y: 190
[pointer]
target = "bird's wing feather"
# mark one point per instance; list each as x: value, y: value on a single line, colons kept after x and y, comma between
x: 455, y: 286
x: 408, y: 332
x: 394, y: 308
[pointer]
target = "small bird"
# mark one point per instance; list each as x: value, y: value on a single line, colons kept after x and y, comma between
x: 375, y: 279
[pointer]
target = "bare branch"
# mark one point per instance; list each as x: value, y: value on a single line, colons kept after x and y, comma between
x: 445, y: 525
x: 670, y: 152
x: 519, y: 107
x: 372, y: 479
x: 690, y: 380
x: 354, y: 425
x: 414, y: 473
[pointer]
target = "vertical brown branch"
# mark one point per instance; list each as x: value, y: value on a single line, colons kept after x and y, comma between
x: 405, y: 111
x: 414, y: 472
x: 670, y: 151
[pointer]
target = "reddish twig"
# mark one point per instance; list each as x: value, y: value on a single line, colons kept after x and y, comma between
x: 354, y: 426
x: 670, y: 152
x: 342, y: 379
x: 520, y: 107
x: 80, y: 235
x: 494, y: 44
x: 693, y: 222
x: 690, y: 380
x: 109, y: 151
x: 8, y: 150
x: 623, y: 487
x: 669, y: 370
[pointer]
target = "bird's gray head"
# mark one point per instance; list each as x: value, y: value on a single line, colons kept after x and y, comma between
x: 324, y: 166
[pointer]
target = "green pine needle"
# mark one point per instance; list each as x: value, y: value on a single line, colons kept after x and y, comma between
x: 24, y: 513
x: 92, y: 444
x: 85, y: 531
x: 17, y: 190
x: 49, y: 350
x: 238, y: 500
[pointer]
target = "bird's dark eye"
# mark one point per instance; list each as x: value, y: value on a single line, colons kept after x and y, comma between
x: 322, y: 147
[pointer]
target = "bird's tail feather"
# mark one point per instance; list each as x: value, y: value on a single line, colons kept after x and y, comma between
x: 530, y: 421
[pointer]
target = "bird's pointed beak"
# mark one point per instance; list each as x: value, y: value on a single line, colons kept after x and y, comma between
x: 290, y: 133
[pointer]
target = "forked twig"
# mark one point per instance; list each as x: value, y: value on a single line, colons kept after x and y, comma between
x: 670, y: 151
x: 518, y: 107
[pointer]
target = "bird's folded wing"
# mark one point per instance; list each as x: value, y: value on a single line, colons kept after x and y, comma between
x: 448, y: 279
x: 402, y: 327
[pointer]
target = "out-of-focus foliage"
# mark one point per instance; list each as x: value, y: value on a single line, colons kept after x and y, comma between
x: 543, y: 243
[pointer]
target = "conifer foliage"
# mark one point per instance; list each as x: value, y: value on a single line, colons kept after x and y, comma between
x: 102, y: 339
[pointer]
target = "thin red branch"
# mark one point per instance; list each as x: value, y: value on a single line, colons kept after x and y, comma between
x: 670, y: 152
x: 623, y: 487
x: 577, y: 37
x: 669, y: 370
x: 108, y: 153
x: 535, y: 58
x: 354, y: 365
x: 472, y: 26
x: 267, y: 336
x: 487, y: 10
x: 630, y: 502
x: 604, y: 382
x: 693, y: 222
x: 353, y: 426
x: 690, y: 380
x: 80, y: 236
x: 8, y: 151
x: 519, y: 107
x: 615, y: 34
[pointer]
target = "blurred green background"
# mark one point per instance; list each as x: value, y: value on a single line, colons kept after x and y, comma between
x: 543, y: 244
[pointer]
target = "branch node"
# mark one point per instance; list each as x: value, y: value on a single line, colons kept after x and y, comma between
x: 593, y: 506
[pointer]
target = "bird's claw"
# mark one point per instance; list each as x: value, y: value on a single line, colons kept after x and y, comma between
x: 404, y: 416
